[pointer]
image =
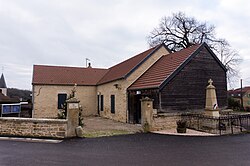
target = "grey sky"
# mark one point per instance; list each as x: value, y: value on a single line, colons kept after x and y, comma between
x: 63, y: 32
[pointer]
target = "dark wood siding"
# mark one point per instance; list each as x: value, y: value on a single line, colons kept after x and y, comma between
x: 186, y: 91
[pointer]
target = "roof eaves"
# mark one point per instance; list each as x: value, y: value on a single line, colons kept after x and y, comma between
x: 148, y: 56
x: 116, y: 79
x: 142, y: 88
x: 66, y: 84
x: 178, y: 69
x: 214, y: 56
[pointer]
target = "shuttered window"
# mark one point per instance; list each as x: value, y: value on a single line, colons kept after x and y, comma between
x: 113, y: 104
x: 102, y: 103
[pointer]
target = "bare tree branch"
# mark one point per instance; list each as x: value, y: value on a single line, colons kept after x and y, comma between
x: 179, y: 31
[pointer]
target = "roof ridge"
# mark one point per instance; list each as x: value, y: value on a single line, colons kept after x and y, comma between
x: 134, y: 56
x: 125, y: 73
x: 183, y: 63
x: 168, y: 63
x: 76, y: 67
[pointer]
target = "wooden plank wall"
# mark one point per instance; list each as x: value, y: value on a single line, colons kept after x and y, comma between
x: 187, y: 90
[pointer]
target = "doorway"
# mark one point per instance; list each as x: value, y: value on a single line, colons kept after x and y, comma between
x: 135, y: 108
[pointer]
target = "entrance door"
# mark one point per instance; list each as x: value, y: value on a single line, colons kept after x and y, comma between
x: 135, y: 108
x: 138, y: 108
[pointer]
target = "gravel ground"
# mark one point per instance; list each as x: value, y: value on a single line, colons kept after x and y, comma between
x: 92, y: 124
x: 99, y: 124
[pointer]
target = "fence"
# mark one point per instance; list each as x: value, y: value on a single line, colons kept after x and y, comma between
x: 225, y: 124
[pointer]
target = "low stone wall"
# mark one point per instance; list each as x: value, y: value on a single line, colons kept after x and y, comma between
x: 165, y: 121
x: 32, y: 127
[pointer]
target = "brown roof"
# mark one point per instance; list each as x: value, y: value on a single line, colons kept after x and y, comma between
x: 237, y: 91
x: 59, y: 75
x: 6, y: 99
x: 123, y: 69
x: 163, y: 68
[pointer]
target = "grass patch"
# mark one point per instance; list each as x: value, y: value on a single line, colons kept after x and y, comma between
x: 106, y: 133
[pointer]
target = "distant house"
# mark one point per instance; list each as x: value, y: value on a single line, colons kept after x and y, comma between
x: 176, y: 82
x: 236, y: 95
x: 4, y: 99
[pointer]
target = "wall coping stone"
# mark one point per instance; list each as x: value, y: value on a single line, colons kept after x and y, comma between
x: 35, y: 120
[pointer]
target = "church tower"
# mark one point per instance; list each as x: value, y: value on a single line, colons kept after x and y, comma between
x: 3, y: 86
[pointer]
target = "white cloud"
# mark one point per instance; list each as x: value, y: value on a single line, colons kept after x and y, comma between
x: 61, y: 32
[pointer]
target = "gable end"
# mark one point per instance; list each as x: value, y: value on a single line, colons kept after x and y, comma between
x: 188, y: 60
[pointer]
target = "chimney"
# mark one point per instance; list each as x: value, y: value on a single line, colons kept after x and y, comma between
x: 89, y: 65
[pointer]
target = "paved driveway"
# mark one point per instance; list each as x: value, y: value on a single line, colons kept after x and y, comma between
x: 138, y: 149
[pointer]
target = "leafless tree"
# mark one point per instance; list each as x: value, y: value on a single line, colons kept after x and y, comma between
x: 179, y: 31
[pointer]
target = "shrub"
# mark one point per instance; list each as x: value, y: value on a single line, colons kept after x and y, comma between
x: 181, y: 126
x: 233, y: 104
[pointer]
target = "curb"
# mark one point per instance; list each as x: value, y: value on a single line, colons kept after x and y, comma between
x: 30, y: 140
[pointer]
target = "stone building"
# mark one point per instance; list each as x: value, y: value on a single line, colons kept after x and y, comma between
x: 237, y: 93
x: 176, y: 82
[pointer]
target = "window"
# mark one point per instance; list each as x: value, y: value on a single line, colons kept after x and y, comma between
x: 61, y: 100
x: 113, y: 104
x: 98, y: 103
x: 102, y: 103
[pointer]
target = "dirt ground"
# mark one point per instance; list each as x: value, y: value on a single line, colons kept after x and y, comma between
x: 98, y: 126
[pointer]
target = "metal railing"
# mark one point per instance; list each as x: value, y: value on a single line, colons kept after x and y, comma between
x: 225, y: 124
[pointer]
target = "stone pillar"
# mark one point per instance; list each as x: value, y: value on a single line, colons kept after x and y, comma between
x: 72, y: 116
x: 147, y: 112
x: 211, y: 108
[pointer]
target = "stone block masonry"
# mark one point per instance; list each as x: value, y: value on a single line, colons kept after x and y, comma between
x: 27, y: 127
x: 165, y: 121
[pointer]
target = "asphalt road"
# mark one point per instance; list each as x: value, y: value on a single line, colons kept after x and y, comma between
x: 138, y: 149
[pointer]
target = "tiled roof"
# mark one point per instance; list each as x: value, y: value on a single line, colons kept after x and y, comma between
x: 2, y: 82
x: 163, y: 68
x: 124, y: 68
x: 59, y: 75
x: 238, y: 91
x: 6, y: 99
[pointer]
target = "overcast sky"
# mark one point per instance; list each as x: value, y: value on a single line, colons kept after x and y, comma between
x: 66, y: 32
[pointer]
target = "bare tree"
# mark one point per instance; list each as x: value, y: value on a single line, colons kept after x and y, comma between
x: 180, y: 31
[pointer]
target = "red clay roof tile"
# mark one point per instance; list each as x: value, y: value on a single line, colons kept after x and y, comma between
x: 162, y: 69
x: 60, y: 75
x: 122, y: 69
x: 237, y: 91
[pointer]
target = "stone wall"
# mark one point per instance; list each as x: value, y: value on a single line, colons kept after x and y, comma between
x: 165, y: 121
x: 46, y: 99
x: 27, y: 127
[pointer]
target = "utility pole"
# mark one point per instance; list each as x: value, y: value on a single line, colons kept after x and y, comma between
x: 241, y: 95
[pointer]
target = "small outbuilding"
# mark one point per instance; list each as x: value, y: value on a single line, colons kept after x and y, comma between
x: 177, y: 82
